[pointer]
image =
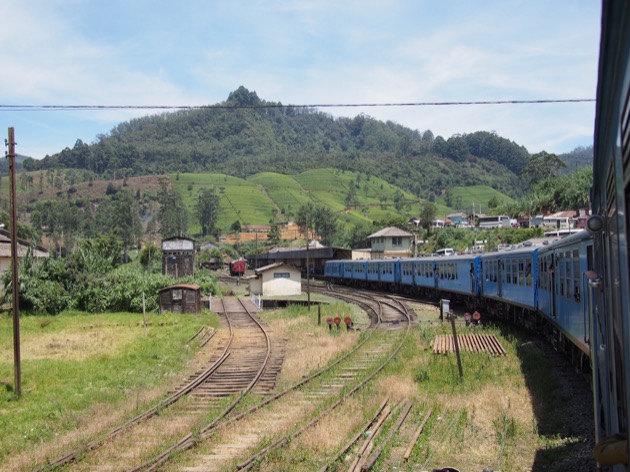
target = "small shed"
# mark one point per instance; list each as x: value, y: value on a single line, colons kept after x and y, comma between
x: 182, y: 298
x: 276, y: 279
x: 178, y: 257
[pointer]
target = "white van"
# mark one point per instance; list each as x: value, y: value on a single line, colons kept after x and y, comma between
x: 447, y: 251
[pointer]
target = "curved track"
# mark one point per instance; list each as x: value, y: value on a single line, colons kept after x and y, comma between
x: 242, y: 361
x: 237, y: 441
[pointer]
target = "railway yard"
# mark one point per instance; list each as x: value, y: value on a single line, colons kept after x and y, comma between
x: 275, y: 390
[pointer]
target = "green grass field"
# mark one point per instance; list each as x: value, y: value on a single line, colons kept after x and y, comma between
x: 479, y: 196
x: 74, y: 361
x: 268, y: 196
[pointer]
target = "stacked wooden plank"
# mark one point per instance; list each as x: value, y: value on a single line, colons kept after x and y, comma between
x: 443, y: 344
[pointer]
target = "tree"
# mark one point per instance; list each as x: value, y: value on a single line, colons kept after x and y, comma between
x: 326, y: 224
x: 542, y: 166
x: 399, y: 200
x: 318, y: 219
x: 306, y: 220
x: 173, y: 214
x: 236, y: 227
x: 126, y: 219
x: 351, y: 197
x: 427, y: 214
x: 273, y: 236
x: 207, y: 210
x: 148, y: 254
x: 357, y: 236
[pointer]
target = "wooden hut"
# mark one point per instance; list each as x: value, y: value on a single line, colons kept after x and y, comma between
x: 181, y: 298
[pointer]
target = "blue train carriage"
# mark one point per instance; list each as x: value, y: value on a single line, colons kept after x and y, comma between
x: 354, y: 272
x: 333, y: 270
x: 456, y: 277
x: 610, y: 225
x: 383, y: 273
x: 508, y: 283
x: 417, y: 276
x: 563, y: 300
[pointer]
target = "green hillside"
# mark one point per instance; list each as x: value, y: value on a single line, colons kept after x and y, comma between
x: 268, y: 196
x: 478, y: 198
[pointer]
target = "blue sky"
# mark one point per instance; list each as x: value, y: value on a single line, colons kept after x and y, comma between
x: 195, y: 52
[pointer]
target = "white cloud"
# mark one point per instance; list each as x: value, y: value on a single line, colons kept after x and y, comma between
x: 307, y: 51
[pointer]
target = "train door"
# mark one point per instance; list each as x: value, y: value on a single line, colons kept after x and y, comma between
x: 483, y: 275
x: 501, y: 273
x: 586, y: 268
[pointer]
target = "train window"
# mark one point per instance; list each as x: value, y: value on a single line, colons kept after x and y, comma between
x: 514, y: 271
x: 576, y: 275
x: 568, y: 265
x: 528, y: 274
x: 560, y: 274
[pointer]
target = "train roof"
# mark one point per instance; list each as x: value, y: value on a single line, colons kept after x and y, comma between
x: 568, y: 240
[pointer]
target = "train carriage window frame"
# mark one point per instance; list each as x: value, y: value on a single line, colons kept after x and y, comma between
x: 507, y: 269
x: 514, y: 272
x: 568, y: 261
x: 576, y: 275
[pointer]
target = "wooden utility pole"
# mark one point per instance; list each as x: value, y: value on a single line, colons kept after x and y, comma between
x: 14, y: 267
x: 308, y: 275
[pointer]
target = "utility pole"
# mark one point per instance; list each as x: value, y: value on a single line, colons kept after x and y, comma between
x: 308, y: 275
x: 14, y: 260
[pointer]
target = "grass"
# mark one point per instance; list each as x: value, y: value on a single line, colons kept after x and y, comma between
x: 77, y: 366
x: 267, y: 196
x: 480, y: 195
x: 75, y: 363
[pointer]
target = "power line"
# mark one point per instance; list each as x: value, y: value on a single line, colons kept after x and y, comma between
x: 279, y: 105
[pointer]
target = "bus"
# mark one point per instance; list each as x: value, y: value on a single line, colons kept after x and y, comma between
x: 499, y: 221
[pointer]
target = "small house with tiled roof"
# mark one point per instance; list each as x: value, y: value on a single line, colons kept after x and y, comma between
x: 390, y: 243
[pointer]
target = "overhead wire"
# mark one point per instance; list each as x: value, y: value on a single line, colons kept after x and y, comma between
x: 226, y: 106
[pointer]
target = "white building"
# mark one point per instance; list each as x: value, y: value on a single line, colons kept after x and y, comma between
x: 390, y: 243
x: 276, y: 280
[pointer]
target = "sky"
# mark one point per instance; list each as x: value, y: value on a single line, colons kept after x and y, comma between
x: 302, y: 52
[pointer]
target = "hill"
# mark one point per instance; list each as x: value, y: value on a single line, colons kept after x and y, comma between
x: 268, y: 196
x: 257, y: 200
x: 245, y: 135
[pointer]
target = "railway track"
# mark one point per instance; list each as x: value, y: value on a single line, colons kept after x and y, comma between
x: 243, y: 360
x: 243, y: 438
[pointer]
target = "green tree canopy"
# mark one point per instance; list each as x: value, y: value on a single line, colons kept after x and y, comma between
x: 173, y: 214
x: 207, y: 210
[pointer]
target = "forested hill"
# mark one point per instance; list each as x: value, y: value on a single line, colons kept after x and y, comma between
x: 245, y: 135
